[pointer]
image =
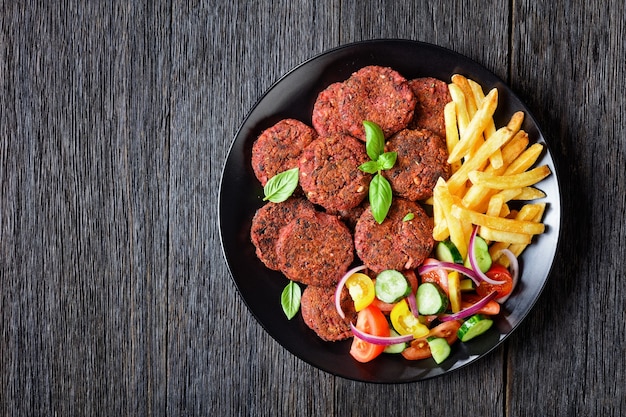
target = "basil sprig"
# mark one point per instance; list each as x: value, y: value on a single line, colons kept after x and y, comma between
x: 380, y: 193
x: 290, y: 299
x: 281, y: 186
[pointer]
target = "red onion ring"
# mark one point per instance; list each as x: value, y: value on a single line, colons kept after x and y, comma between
x: 474, y: 263
x: 451, y: 266
x: 380, y: 340
x: 413, y: 304
x: 471, y: 310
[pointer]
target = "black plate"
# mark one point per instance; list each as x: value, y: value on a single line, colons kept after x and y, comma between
x: 241, y: 195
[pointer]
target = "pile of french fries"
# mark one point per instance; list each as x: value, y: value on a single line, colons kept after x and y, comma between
x: 490, y: 168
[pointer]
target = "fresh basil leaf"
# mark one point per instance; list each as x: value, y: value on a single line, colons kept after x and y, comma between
x: 374, y: 140
x: 380, y: 197
x: 387, y: 160
x: 281, y: 186
x: 370, y: 167
x: 409, y: 216
x: 290, y: 299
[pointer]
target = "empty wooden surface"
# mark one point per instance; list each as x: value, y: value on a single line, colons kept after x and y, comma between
x: 115, y: 121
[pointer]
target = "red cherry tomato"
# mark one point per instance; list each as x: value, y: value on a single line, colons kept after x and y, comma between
x: 437, y: 276
x: 419, y: 348
x: 497, y: 272
x: 372, y: 321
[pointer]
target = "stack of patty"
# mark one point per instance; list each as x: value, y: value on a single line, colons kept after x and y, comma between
x: 314, y: 236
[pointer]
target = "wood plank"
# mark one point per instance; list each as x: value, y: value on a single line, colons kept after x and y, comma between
x: 224, y: 56
x: 568, y: 66
x: 84, y: 226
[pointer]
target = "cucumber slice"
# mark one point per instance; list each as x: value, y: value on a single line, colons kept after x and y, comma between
x: 446, y: 251
x: 483, y: 257
x: 391, y: 286
x: 398, y: 347
x: 474, y: 326
x: 439, y: 348
x: 431, y: 299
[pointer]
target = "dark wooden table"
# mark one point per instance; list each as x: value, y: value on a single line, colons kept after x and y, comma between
x: 115, y: 122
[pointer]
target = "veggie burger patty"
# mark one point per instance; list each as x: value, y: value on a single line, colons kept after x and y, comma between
x: 374, y: 93
x: 321, y: 316
x: 315, y: 249
x: 329, y: 172
x: 422, y: 159
x: 396, y: 243
x: 279, y: 147
x: 267, y: 223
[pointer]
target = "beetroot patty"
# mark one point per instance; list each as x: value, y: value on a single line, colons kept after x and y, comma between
x: 329, y: 172
x: 422, y: 159
x: 432, y: 96
x: 396, y: 243
x: 374, y: 93
x: 320, y: 315
x: 279, y: 147
x: 378, y: 94
x: 315, y: 249
x: 326, y: 118
x: 266, y: 225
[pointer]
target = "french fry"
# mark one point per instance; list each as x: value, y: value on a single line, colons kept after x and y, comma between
x: 457, y: 180
x: 525, y: 160
x: 530, y: 193
x: 507, y: 195
x: 475, y: 127
x: 452, y: 130
x: 462, y: 82
x: 495, y: 250
x: 495, y: 205
x: 496, y: 158
x: 490, y: 234
x: 502, y: 182
x: 455, y: 227
x: 440, y: 229
x: 479, y: 96
x: 476, y: 197
x: 458, y: 98
x: 498, y: 223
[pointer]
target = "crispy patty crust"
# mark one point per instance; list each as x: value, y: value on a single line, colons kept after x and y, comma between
x: 279, y: 147
x: 374, y: 93
x: 320, y: 315
x: 315, y: 249
x: 266, y: 225
x: 422, y: 159
x: 395, y: 243
x: 330, y: 174
x: 432, y: 96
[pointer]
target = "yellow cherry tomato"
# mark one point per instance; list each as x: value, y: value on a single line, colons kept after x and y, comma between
x: 404, y: 322
x: 361, y: 289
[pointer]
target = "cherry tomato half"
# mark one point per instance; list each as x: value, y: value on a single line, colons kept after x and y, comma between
x: 438, y: 276
x: 361, y: 289
x: 404, y: 322
x: 419, y: 348
x: 372, y: 321
x: 497, y: 272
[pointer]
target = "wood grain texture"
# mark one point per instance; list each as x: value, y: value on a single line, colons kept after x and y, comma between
x: 115, y: 121
x: 573, y: 339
